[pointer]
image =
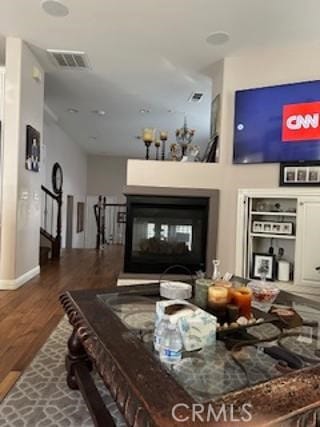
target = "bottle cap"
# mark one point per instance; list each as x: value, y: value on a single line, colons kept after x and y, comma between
x: 172, y: 326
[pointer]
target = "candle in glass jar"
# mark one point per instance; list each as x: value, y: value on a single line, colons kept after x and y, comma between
x: 228, y: 286
x: 217, y: 302
x: 242, y: 298
x: 201, y: 292
x: 217, y: 296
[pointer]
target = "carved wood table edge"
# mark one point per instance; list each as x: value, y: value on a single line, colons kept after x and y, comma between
x: 145, y: 393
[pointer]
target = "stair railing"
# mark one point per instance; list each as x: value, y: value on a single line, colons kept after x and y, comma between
x: 104, y: 222
x: 51, y: 221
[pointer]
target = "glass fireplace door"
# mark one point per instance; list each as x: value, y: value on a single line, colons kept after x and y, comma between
x: 167, y: 233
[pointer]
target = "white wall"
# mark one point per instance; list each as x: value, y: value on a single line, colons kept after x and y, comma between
x: 261, y: 68
x: 59, y: 147
x: 20, y: 210
x: 106, y: 176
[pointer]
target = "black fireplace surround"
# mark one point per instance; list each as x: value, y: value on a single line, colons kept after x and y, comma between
x: 166, y: 230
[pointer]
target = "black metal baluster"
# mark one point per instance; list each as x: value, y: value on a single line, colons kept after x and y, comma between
x: 45, y: 211
x: 52, y: 208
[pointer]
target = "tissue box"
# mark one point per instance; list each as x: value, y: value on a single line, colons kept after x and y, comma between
x: 197, y: 327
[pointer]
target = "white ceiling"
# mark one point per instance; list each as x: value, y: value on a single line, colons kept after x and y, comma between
x: 147, y: 54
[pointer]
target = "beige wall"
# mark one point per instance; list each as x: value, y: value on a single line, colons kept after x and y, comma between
x: 20, y: 210
x: 258, y: 69
x: 106, y: 175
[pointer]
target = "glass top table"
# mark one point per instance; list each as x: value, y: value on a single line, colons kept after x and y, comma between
x: 236, y: 361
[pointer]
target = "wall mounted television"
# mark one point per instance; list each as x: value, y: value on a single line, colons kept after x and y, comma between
x: 277, y: 124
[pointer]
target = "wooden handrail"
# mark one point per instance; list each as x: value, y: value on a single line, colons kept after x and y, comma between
x: 55, y: 240
x: 54, y: 196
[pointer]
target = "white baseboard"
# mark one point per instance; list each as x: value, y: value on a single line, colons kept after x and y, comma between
x: 11, y: 285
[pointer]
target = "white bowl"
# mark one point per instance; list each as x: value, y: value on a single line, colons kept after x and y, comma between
x: 175, y: 290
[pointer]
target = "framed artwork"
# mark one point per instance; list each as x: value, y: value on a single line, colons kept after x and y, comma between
x: 300, y: 174
x: 80, y: 217
x: 32, y: 162
x: 122, y: 217
x: 264, y: 266
x: 211, y: 151
x: 215, y: 117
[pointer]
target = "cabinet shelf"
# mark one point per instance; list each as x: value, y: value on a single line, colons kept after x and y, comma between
x: 273, y: 236
x: 292, y: 214
x: 299, y: 207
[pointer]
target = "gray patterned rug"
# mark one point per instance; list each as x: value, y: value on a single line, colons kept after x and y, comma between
x: 41, y: 397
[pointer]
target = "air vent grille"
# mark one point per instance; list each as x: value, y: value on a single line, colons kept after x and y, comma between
x: 69, y: 59
x: 196, y: 97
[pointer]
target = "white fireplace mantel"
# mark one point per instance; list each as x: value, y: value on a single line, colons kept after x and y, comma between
x: 173, y: 174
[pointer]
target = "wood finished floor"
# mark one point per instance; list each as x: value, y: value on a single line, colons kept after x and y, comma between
x: 29, y: 314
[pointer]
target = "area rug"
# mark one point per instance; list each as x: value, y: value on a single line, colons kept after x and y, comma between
x: 41, y: 397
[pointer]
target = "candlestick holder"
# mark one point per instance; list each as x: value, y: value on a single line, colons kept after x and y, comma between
x: 164, y: 139
x: 147, y: 144
x: 148, y: 138
x: 157, y: 145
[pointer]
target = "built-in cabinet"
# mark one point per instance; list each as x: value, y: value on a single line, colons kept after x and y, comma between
x: 285, y: 223
x: 308, y: 244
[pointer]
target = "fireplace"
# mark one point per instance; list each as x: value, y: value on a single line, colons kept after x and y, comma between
x: 164, y: 230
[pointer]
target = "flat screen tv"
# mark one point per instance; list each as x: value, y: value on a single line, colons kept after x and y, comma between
x: 277, y: 124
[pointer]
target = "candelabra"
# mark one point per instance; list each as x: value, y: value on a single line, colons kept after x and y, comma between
x: 184, y: 136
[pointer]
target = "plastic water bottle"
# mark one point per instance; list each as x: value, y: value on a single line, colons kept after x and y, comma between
x: 160, y: 331
x: 171, y: 345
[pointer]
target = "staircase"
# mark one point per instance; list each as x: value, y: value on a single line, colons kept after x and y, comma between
x: 50, y: 230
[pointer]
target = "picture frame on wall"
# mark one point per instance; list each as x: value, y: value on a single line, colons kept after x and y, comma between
x: 264, y: 264
x: 300, y: 174
x: 215, y: 117
x: 80, y: 217
x: 122, y: 217
x: 32, y: 162
x: 211, y: 151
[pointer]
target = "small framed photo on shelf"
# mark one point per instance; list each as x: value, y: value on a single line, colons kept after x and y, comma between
x: 272, y: 227
x: 300, y: 174
x: 264, y: 266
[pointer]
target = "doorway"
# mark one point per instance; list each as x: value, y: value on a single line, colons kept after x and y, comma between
x: 69, y: 224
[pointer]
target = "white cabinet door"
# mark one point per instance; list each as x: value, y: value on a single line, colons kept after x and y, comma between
x: 308, y: 242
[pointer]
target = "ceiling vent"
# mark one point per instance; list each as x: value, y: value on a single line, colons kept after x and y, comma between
x: 68, y: 59
x: 196, y: 97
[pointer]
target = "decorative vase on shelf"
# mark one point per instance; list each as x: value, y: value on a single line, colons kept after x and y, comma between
x: 216, y: 272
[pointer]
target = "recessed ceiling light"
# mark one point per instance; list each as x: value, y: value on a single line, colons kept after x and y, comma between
x: 73, y: 110
x: 218, y: 38
x: 99, y: 112
x: 144, y: 111
x: 55, y: 7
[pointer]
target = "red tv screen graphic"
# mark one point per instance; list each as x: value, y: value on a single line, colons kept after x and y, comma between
x: 301, y: 122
